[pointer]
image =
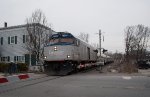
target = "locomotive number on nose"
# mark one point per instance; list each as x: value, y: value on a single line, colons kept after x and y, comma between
x: 56, y: 53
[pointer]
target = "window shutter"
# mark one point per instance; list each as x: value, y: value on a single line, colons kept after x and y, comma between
x: 8, y: 58
x: 15, y: 58
x: 1, y: 40
x: 15, y: 39
x: 23, y: 38
x: 8, y: 40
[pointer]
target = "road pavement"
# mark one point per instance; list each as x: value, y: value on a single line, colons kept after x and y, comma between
x: 83, y: 84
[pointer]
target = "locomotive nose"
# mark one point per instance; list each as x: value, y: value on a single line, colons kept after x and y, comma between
x: 58, y: 53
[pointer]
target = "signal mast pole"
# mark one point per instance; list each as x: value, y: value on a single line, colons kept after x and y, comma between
x: 100, y: 43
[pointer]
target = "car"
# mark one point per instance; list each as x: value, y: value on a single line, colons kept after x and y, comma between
x: 143, y: 64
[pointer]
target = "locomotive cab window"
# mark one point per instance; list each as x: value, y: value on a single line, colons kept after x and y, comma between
x: 53, y: 41
x: 67, y: 40
x: 61, y: 39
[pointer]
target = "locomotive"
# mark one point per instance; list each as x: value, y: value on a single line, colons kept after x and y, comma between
x: 65, y: 53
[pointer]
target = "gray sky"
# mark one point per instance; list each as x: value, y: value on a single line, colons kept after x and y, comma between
x: 88, y: 16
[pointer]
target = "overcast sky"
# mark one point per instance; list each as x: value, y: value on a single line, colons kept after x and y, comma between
x: 88, y: 16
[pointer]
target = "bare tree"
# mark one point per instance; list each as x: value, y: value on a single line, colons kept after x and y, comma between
x: 117, y: 56
x: 84, y: 36
x: 136, y: 39
x: 38, y: 33
x: 95, y: 45
x: 128, y: 41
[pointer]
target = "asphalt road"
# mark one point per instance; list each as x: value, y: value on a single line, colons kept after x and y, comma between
x: 89, y: 84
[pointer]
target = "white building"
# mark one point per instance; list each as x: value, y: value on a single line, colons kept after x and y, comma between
x: 12, y: 43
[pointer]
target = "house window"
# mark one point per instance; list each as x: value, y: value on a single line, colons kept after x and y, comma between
x: 12, y: 40
x: 23, y: 58
x: 25, y: 38
x: 19, y: 58
x: 5, y: 59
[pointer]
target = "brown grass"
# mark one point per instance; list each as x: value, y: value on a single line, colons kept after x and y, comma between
x: 128, y: 67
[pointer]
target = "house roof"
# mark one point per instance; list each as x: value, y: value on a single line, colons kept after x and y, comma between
x: 24, y: 25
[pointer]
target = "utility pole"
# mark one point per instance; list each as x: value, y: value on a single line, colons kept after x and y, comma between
x: 100, y: 42
x: 30, y: 59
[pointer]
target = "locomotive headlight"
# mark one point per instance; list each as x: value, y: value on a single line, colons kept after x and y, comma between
x: 45, y: 57
x: 68, y: 56
x: 55, y: 48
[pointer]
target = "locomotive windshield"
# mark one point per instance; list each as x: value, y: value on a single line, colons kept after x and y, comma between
x: 61, y: 39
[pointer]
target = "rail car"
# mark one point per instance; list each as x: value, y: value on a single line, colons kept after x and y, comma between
x: 104, y: 60
x: 108, y: 61
x: 65, y: 53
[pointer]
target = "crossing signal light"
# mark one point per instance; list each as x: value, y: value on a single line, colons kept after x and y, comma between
x: 104, y: 50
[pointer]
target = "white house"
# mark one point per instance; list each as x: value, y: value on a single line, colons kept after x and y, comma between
x: 12, y: 43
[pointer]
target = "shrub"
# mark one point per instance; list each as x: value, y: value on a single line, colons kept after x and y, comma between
x: 22, y: 67
x: 3, y: 67
x: 129, y: 68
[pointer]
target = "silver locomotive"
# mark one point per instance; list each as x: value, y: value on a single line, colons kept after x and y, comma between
x: 65, y: 53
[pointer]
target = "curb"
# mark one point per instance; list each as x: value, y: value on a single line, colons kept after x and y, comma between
x: 3, y: 80
x: 14, y: 78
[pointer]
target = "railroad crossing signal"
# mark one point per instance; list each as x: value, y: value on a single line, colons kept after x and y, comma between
x: 104, y: 50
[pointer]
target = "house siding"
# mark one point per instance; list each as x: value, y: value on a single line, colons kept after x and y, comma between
x: 16, y: 50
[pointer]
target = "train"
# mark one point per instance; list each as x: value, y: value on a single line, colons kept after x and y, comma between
x: 65, y: 53
x: 104, y: 60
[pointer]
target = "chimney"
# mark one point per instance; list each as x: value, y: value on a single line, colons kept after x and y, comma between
x: 5, y: 24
